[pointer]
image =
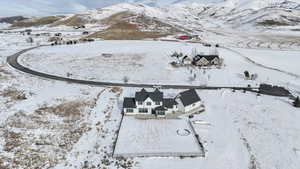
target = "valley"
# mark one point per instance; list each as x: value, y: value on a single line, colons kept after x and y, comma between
x: 64, y: 79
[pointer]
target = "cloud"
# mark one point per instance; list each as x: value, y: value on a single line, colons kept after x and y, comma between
x: 49, y: 7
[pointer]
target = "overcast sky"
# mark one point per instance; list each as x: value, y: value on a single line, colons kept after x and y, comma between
x: 47, y: 7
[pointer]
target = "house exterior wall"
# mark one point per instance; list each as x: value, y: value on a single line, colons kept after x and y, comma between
x: 180, y: 106
x: 189, y: 108
x: 172, y: 110
x: 215, y: 61
x: 202, y: 62
x: 192, y: 107
x: 148, y: 107
x: 135, y: 111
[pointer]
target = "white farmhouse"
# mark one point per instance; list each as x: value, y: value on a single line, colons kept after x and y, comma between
x: 206, y: 60
x: 153, y: 103
x: 148, y: 103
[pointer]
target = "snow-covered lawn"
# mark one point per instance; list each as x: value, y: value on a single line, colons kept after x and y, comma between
x: 156, y: 138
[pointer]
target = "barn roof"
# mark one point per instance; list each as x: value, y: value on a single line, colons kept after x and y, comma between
x: 189, y: 97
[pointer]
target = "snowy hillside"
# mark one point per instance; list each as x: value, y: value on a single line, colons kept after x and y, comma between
x: 235, y: 13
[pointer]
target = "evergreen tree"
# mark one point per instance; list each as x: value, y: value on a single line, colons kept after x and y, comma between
x: 297, y: 102
x: 247, y: 74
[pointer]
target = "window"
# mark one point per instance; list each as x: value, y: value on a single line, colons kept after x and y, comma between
x: 161, y: 113
x: 157, y: 103
x: 140, y: 103
x: 148, y: 103
x: 129, y: 110
x: 143, y: 110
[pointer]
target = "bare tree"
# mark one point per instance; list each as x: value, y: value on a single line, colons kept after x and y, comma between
x: 29, y: 40
x: 125, y: 79
x: 254, y: 76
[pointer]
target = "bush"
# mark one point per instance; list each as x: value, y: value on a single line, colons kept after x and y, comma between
x: 247, y: 74
x: 253, y: 76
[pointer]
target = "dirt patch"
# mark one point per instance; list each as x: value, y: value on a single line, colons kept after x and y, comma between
x: 41, y: 139
x: 132, y: 26
x: 125, y: 31
x: 5, y: 74
x: 68, y: 109
x: 117, y: 18
x: 76, y: 20
x: 13, y: 94
x: 116, y: 90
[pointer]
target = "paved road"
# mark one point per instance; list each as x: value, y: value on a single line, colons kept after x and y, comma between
x: 13, y: 61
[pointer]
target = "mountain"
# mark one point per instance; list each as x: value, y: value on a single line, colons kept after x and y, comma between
x: 11, y: 20
x: 144, y: 21
x: 43, y: 8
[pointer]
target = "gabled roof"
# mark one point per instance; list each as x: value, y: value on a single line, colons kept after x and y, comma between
x: 160, y: 108
x: 143, y: 95
x: 189, y: 97
x: 129, y: 102
x: 169, y: 103
x: 208, y: 57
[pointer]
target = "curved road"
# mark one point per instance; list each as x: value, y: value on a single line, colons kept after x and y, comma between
x: 13, y: 61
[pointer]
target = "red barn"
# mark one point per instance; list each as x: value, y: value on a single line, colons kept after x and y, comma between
x: 184, y: 37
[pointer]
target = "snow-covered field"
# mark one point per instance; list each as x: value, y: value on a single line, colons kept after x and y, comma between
x: 148, y: 62
x: 275, y: 58
x: 50, y: 124
x: 173, y: 138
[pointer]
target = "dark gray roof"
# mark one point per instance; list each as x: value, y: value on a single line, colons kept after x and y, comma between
x: 129, y: 102
x: 160, y: 108
x: 169, y: 103
x: 208, y: 57
x: 189, y: 97
x: 143, y: 95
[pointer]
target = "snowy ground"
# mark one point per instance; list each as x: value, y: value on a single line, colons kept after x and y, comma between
x: 152, y: 58
x: 156, y: 138
x: 50, y: 124
x: 274, y: 58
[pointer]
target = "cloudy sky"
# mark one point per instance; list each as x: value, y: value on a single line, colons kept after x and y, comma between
x: 47, y: 7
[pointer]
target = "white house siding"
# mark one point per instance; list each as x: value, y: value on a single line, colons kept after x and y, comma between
x: 215, y: 61
x: 149, y: 107
x: 193, y: 107
x: 172, y: 110
x: 135, y: 111
x: 180, y: 106
x: 202, y: 62
x: 188, y: 109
